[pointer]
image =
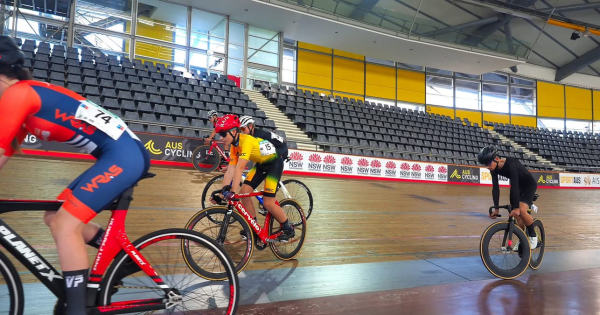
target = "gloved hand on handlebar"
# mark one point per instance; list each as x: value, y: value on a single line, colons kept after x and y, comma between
x: 227, y: 193
x: 494, y: 214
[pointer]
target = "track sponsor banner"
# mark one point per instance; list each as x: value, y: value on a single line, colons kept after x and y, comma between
x: 464, y: 174
x: 160, y: 147
x: 328, y: 163
x: 579, y: 180
x: 486, y: 177
x: 546, y: 179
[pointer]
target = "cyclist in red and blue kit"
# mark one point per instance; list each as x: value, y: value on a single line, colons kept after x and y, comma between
x: 54, y: 113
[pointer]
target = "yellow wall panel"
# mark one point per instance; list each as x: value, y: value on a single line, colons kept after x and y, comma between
x: 314, y: 47
x: 444, y: 111
x: 348, y: 76
x: 314, y: 70
x: 579, y: 103
x: 596, y: 105
x: 348, y: 54
x: 527, y: 121
x: 499, y: 118
x: 157, y: 31
x: 411, y: 86
x: 381, y: 81
x: 473, y: 116
x: 551, y: 100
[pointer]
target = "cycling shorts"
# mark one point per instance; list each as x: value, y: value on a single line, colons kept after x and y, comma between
x: 270, y: 173
x: 119, y: 166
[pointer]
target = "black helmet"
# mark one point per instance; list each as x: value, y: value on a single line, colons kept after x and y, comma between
x: 10, y: 54
x: 487, y: 154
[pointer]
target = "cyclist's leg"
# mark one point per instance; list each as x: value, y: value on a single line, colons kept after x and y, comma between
x: 526, y: 197
x: 253, y: 179
x: 116, y: 170
x: 273, y: 176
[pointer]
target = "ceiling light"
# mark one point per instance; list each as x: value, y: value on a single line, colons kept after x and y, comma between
x: 575, y: 35
x: 587, y: 32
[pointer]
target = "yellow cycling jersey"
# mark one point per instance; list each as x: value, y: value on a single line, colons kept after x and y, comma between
x: 253, y: 149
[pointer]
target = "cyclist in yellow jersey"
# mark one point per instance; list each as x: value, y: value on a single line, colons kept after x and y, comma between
x: 268, y: 167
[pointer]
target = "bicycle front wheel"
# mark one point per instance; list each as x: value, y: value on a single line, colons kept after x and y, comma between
x: 212, y: 185
x: 500, y: 259
x: 11, y: 288
x: 205, y: 159
x: 297, y: 190
x: 288, y: 250
x: 126, y: 286
x: 237, y: 240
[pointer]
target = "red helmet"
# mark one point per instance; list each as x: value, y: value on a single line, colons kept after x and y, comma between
x: 227, y: 123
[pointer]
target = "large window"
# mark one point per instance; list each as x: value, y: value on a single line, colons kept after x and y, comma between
x: 494, y: 98
x: 579, y: 125
x: 263, y: 47
x: 439, y: 91
x: 207, y: 63
x: 208, y: 31
x: 237, y: 41
x: 162, y: 21
x: 522, y: 101
x: 289, y: 65
x: 467, y: 94
x: 548, y: 123
x: 261, y: 75
x: 114, y: 15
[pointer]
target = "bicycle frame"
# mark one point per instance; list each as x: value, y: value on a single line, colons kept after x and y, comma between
x: 215, y: 144
x: 260, y: 197
x: 114, y: 240
x: 261, y: 232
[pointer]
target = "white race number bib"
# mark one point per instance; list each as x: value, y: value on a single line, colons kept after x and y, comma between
x: 101, y: 118
x: 266, y: 148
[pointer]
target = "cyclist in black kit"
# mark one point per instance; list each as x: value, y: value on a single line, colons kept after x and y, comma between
x: 522, y: 188
x: 247, y: 127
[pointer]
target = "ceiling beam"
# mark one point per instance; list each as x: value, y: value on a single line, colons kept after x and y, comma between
x: 461, y: 26
x: 485, y: 31
x: 574, y: 7
x: 578, y: 64
x: 362, y: 9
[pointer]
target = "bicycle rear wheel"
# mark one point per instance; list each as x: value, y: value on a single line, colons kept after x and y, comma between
x: 297, y: 190
x: 124, y: 281
x: 291, y: 248
x: 502, y: 261
x: 205, y: 159
x: 537, y: 254
x: 11, y: 288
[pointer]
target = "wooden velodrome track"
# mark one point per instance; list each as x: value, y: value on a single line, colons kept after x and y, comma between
x: 353, y: 221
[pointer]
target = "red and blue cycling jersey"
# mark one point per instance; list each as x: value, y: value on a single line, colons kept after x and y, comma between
x: 53, y: 113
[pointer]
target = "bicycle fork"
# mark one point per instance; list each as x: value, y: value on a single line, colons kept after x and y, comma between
x: 511, y: 226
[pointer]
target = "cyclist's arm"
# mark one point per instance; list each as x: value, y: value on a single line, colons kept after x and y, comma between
x: 212, y: 135
x: 495, y: 189
x: 514, y: 186
x: 17, y: 102
x: 237, y: 178
x: 227, y: 178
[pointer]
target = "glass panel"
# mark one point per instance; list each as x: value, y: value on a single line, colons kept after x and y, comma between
x: 112, y: 15
x: 259, y: 32
x: 466, y: 75
x: 58, y: 10
x: 439, y: 91
x: 262, y: 57
x: 289, y: 76
x: 38, y: 31
x: 208, y: 31
x: 263, y: 75
x: 467, y: 94
x: 104, y: 43
x: 5, y: 17
x: 236, y: 52
x: 596, y: 126
x: 379, y: 61
x: 579, y: 125
x: 409, y: 66
x: 159, y: 53
x: 495, y: 77
x: 548, y: 123
x: 289, y: 42
x: 205, y: 62
x: 237, y: 33
x: 495, y: 98
x: 522, y: 101
x: 235, y: 67
x: 522, y: 81
x: 289, y: 59
x: 438, y: 71
x: 263, y: 44
x: 162, y: 21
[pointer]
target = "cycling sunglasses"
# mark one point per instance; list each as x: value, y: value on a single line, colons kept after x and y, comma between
x: 223, y: 134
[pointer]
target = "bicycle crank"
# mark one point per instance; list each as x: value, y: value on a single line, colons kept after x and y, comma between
x: 174, y: 299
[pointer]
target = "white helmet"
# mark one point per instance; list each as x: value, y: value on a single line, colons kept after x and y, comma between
x: 212, y: 113
x: 246, y: 120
